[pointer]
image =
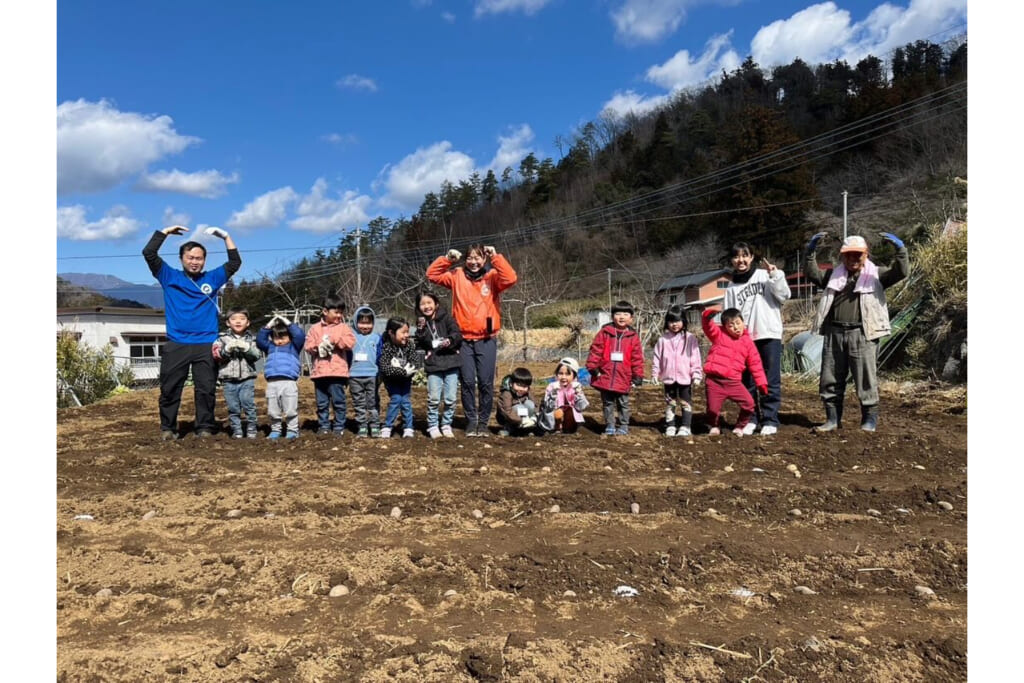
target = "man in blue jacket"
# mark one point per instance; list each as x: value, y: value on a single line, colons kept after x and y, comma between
x: 190, y: 307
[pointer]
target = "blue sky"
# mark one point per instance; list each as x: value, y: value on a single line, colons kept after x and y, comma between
x: 288, y: 124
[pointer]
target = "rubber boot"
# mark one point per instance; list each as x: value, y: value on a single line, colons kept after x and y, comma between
x: 869, y: 418
x: 831, y: 419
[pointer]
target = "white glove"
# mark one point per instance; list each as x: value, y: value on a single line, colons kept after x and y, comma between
x: 325, y: 347
x: 396, y: 363
x: 410, y: 369
x: 528, y: 422
x: 284, y: 320
x: 237, y: 345
x: 696, y: 384
x: 454, y: 255
x: 217, y: 232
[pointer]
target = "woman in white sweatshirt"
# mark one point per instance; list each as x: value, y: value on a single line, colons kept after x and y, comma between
x: 759, y: 293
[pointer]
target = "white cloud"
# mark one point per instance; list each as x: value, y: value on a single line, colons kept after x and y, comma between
x: 448, y: 17
x: 624, y: 103
x: 527, y: 7
x: 340, y: 138
x: 646, y: 21
x: 682, y: 70
x: 266, y: 211
x: 117, y: 223
x: 206, y: 184
x: 172, y: 217
x: 316, y: 213
x: 99, y: 146
x: 357, y: 82
x: 824, y: 32
x: 512, y: 148
x: 421, y: 172
x: 815, y: 34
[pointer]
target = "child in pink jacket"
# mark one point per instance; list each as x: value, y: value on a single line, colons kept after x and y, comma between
x: 732, y: 352
x: 329, y: 343
x: 676, y: 364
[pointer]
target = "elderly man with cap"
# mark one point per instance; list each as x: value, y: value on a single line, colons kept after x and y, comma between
x: 852, y: 316
x: 190, y: 307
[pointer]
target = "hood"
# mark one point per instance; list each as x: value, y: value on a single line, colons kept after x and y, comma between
x: 355, y: 316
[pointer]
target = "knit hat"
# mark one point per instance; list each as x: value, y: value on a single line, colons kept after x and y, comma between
x: 622, y: 307
x: 571, y: 364
x: 854, y: 243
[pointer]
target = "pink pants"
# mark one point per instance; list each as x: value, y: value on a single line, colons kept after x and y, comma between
x: 721, y: 388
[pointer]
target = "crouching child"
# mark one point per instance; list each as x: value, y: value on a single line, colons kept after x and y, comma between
x: 517, y: 413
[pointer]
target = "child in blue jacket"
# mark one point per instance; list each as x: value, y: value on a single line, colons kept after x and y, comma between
x: 281, y: 340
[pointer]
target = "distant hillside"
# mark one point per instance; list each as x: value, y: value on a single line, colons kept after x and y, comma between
x: 114, y: 288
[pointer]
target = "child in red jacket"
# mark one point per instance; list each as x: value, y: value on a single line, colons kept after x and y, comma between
x: 616, y: 363
x: 732, y: 352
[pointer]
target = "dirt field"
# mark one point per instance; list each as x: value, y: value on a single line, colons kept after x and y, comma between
x: 218, y: 555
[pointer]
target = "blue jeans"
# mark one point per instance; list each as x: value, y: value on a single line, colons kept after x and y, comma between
x: 448, y: 381
x: 767, y: 407
x: 400, y: 395
x: 330, y: 391
x: 241, y: 398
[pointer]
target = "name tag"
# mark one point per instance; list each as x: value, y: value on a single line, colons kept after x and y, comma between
x: 617, y: 355
x: 522, y: 411
x: 360, y: 356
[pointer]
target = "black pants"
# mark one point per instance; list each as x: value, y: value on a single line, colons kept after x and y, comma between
x: 175, y: 363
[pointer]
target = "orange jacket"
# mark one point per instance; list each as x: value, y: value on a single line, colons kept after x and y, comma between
x: 475, y: 302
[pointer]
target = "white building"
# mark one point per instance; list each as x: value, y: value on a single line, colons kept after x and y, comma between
x: 137, y: 335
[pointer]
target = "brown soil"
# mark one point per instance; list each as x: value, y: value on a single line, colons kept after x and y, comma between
x: 715, y: 555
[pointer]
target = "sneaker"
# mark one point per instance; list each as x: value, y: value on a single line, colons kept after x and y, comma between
x: 385, y: 432
x: 714, y: 431
x: 291, y: 435
x: 323, y: 430
x: 168, y: 435
x: 670, y: 431
x: 363, y: 432
x: 274, y: 435
x: 482, y: 432
x: 609, y: 431
x: 446, y: 432
x: 740, y: 432
x: 622, y: 431
x: 204, y: 434
x: 408, y: 433
x: 749, y: 428
x: 237, y: 434
x: 683, y: 431
x: 250, y: 433
x: 338, y: 433
x: 769, y: 430
x: 434, y: 433
x: 374, y: 432
x: 504, y: 432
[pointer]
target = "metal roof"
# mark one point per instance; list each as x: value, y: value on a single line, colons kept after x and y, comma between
x: 693, y: 279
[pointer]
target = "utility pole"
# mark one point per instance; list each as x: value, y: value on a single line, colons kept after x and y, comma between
x: 359, y: 268
x: 844, y: 215
x: 609, y: 289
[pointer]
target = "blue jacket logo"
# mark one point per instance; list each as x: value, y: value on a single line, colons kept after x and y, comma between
x: 206, y: 288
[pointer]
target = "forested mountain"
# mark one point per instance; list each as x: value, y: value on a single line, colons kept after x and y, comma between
x: 70, y: 295
x: 760, y: 155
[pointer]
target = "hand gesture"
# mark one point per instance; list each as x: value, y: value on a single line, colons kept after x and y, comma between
x: 217, y: 232
x: 421, y: 323
x: 638, y: 381
x: 454, y: 255
x: 217, y: 348
x: 410, y: 369
x: 445, y: 343
x: 175, y: 230
x: 813, y: 244
x: 528, y: 422
x: 325, y: 347
x: 767, y: 266
x: 396, y: 363
x: 284, y: 321
x: 896, y: 241
x: 489, y: 251
x: 763, y: 388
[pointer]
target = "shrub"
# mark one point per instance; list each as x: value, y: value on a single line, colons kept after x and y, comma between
x: 88, y: 372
